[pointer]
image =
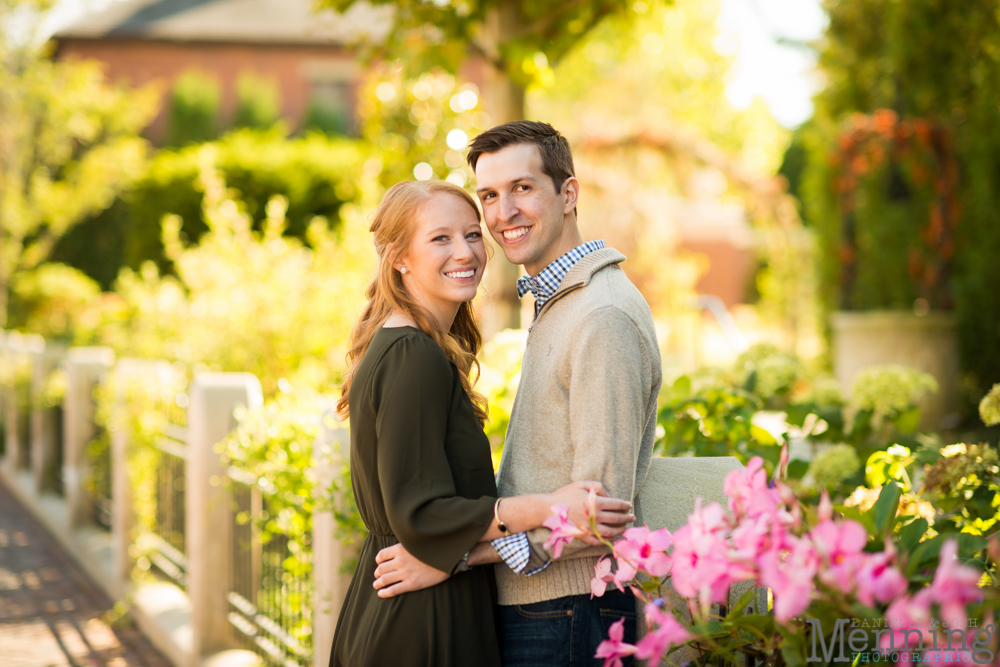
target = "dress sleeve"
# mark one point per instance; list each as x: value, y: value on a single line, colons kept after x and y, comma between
x: 413, y: 400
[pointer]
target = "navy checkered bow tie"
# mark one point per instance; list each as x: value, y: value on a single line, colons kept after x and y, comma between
x: 527, y: 284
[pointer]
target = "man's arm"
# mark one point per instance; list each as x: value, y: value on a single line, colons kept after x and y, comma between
x: 611, y: 372
x: 399, y: 572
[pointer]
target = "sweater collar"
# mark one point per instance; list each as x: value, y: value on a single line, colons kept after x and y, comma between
x: 582, y: 272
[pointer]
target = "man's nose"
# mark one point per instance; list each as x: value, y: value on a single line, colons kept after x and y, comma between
x: 508, y: 208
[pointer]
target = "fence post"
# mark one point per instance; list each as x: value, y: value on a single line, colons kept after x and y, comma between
x: 19, y: 347
x: 331, y: 456
x: 213, y: 397
x: 122, y: 507
x: 45, y: 442
x: 84, y: 367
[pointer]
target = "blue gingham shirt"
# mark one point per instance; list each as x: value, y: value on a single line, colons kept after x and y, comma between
x: 545, y: 284
x: 515, y: 549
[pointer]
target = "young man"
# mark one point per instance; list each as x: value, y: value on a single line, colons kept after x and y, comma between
x: 586, y: 405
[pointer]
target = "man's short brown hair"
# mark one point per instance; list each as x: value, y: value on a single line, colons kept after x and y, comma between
x: 557, y: 160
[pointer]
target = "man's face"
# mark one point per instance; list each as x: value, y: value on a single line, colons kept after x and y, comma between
x: 523, y: 211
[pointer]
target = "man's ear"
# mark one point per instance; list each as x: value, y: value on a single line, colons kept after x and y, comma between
x: 570, y: 192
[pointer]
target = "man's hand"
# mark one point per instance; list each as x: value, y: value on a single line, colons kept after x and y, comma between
x: 612, y: 515
x: 398, y: 572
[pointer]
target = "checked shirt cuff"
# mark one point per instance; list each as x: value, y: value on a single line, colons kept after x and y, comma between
x: 515, y: 552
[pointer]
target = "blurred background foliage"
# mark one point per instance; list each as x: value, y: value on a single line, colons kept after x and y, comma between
x: 243, y: 299
x: 929, y: 62
x: 314, y: 173
x: 69, y: 143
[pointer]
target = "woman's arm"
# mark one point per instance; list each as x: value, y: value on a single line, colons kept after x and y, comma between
x: 523, y: 513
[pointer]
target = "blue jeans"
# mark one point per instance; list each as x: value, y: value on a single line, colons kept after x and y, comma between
x: 563, y: 632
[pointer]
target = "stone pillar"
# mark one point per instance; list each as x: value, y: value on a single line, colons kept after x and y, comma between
x: 84, y: 367
x: 667, y: 498
x: 331, y: 457
x: 45, y: 441
x: 213, y: 396
x: 927, y: 343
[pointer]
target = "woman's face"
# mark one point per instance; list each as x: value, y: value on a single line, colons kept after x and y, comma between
x: 445, y: 261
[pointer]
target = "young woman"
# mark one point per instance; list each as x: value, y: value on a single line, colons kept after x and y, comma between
x: 420, y: 462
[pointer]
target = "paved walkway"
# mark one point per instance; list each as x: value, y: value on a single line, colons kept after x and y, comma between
x: 51, y: 615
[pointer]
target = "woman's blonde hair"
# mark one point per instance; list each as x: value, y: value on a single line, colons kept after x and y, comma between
x: 393, y: 227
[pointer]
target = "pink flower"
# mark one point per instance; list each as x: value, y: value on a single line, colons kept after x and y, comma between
x: 907, y: 614
x: 614, y: 649
x: 646, y: 550
x: 748, y: 491
x: 753, y: 538
x: 790, y: 576
x: 839, y: 545
x: 563, y: 530
x: 602, y: 577
x: 878, y: 580
x: 701, y: 567
x: 668, y: 633
x: 955, y: 585
x: 783, y: 463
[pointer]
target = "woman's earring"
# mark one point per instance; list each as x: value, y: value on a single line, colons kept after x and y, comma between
x: 403, y: 270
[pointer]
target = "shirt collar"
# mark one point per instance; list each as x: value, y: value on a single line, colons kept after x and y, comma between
x: 547, y: 282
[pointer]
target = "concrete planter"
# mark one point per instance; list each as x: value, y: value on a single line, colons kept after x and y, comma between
x: 926, y: 342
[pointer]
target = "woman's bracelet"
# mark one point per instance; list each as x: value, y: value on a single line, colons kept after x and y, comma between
x: 496, y: 515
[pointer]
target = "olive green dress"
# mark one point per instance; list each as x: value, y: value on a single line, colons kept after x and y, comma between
x: 422, y: 476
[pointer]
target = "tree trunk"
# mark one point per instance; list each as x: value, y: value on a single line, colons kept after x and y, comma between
x: 504, y: 100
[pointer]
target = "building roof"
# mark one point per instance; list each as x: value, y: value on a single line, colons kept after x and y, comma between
x: 243, y: 21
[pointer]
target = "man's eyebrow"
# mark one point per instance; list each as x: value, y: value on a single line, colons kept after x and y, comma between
x: 526, y: 177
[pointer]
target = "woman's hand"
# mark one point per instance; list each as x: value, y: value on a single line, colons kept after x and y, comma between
x: 612, y: 515
x: 398, y: 572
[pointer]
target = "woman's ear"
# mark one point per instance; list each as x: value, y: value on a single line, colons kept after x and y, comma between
x: 399, y: 263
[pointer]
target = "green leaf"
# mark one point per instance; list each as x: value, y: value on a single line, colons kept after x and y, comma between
x: 762, y: 436
x: 797, y: 468
x: 925, y: 551
x: 969, y: 544
x: 650, y: 586
x: 745, y: 599
x: 886, y: 505
x: 910, y: 537
x: 908, y: 421
x: 682, y: 387
x: 793, y: 649
x: 796, y: 414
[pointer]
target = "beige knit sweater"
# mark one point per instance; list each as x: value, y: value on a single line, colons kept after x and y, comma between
x: 585, y: 410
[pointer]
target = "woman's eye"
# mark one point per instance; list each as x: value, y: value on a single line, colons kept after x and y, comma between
x: 474, y: 235
x: 440, y: 238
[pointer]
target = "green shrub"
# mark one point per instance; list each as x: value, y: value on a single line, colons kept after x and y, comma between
x: 55, y: 301
x: 258, y: 101
x: 315, y: 174
x: 194, y: 109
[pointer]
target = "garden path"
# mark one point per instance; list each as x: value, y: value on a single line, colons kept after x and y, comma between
x: 51, y: 614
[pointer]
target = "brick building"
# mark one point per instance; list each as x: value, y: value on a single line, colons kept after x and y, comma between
x: 305, y: 53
